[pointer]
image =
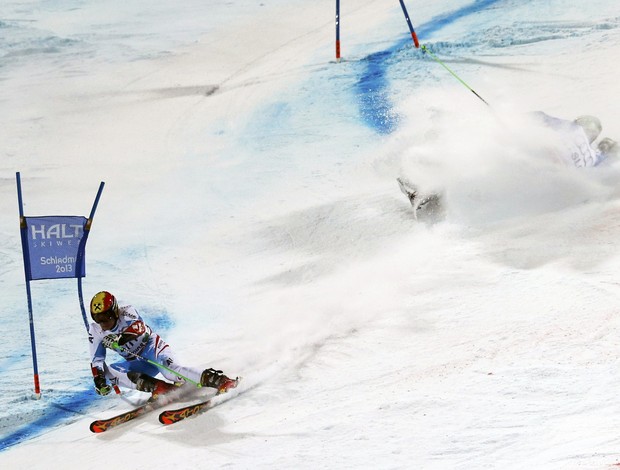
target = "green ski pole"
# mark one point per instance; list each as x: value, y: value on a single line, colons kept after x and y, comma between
x: 117, y: 347
x: 425, y: 49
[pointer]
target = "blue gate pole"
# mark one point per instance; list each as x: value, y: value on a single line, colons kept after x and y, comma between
x: 24, y: 236
x: 338, y: 30
x: 82, y: 250
x: 413, y: 34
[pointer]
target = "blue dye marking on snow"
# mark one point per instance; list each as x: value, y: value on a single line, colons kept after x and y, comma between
x: 65, y: 410
x: 446, y: 19
x: 372, y: 86
x: 159, y: 321
x: 11, y: 361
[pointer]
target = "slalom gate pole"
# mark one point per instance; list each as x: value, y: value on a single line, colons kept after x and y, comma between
x: 338, y: 30
x: 23, y: 228
x: 81, y: 253
x: 436, y: 59
x: 413, y: 34
x: 117, y: 347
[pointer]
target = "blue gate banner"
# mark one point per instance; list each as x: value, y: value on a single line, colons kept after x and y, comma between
x: 54, y: 247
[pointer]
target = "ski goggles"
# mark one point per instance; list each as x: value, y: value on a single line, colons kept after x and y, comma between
x: 103, y: 317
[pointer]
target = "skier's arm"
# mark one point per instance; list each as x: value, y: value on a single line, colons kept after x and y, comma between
x: 133, y: 331
x: 101, y: 385
x: 97, y: 350
x: 97, y: 364
x: 137, y: 330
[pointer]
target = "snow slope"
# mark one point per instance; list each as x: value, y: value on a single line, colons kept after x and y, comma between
x: 251, y: 214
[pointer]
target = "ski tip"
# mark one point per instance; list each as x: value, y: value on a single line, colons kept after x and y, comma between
x: 165, y: 420
x: 174, y: 416
x: 96, y: 428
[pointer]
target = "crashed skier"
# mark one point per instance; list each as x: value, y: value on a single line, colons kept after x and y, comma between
x: 574, y: 146
x: 121, y: 328
x: 575, y: 140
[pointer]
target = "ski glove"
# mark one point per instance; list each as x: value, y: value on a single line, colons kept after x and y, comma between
x: 101, y: 386
x: 103, y: 391
x: 111, y: 341
x: 133, y: 331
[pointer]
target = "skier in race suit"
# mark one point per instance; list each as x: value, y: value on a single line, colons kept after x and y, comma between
x: 123, y: 330
x: 574, y: 145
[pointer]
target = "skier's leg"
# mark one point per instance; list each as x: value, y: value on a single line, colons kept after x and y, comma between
x: 161, y: 352
x: 124, y: 373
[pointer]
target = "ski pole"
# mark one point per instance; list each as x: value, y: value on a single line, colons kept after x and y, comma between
x: 117, y: 347
x: 425, y: 49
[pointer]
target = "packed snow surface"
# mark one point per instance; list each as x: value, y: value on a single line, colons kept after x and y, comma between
x: 251, y: 214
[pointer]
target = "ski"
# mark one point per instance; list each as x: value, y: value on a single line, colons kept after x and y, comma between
x: 102, y: 425
x: 174, y: 416
x: 167, y: 417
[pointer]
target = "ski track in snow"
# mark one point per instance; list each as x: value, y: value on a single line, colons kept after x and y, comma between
x: 484, y: 394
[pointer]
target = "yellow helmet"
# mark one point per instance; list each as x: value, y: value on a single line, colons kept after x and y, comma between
x: 103, y: 306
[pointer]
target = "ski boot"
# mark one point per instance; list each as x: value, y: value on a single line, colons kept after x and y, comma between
x: 426, y: 207
x: 408, y: 190
x: 216, y: 379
